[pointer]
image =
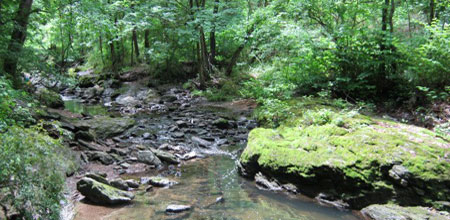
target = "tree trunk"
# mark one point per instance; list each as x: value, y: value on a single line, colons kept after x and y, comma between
x: 100, y: 42
x: 147, y: 44
x: 391, y: 16
x: 113, y: 55
x: 432, y: 9
x: 18, y: 37
x: 136, y: 45
x: 132, y: 52
x: 238, y: 51
x: 204, y: 63
x: 212, y: 35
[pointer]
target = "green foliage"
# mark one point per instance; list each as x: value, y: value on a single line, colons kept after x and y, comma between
x: 14, y: 108
x: 430, y: 61
x: 434, y: 95
x: 33, y: 172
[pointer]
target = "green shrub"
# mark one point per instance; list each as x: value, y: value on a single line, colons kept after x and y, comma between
x: 32, y: 172
x: 430, y: 62
x: 13, y: 111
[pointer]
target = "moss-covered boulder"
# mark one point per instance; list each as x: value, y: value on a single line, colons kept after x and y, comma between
x: 49, y: 98
x: 395, y: 212
x: 102, y: 193
x: 351, y: 157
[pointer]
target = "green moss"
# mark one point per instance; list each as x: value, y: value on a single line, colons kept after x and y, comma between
x: 357, y: 146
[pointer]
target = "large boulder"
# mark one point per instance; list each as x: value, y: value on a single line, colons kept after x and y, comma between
x: 101, y: 193
x: 49, y: 98
x: 358, y: 159
x: 395, y: 212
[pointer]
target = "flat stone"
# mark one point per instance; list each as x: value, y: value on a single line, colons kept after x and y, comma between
x: 161, y: 181
x: 177, y: 208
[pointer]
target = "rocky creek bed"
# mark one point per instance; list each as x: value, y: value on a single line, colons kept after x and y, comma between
x: 160, y: 153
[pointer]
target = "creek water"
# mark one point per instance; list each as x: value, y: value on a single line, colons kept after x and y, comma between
x: 201, y: 182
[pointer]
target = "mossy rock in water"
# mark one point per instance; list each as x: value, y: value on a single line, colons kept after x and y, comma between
x: 101, y: 193
x: 49, y: 98
x: 359, y: 159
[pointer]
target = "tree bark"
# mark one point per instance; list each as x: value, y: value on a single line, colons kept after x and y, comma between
x: 136, y: 45
x: 100, y: 42
x: 212, y: 35
x: 147, y: 44
x: 391, y: 16
x: 18, y: 37
x: 432, y: 9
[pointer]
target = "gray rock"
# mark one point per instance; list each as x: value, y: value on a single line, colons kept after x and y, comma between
x: 104, y: 127
x: 103, y: 157
x: 169, y: 98
x: 177, y: 208
x: 97, y: 177
x: 89, y: 145
x: 132, y: 183
x: 148, y: 136
x: 400, y: 174
x: 177, y: 134
x: 201, y: 142
x: 101, y: 193
x: 145, y: 180
x: 395, y: 212
x: 263, y: 183
x: 189, y: 156
x: 119, y: 184
x: 332, y: 201
x: 181, y: 124
x: 148, y: 157
x: 166, y: 156
x: 161, y: 181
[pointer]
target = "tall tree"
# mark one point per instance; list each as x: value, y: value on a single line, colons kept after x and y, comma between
x: 212, y: 34
x: 17, y: 40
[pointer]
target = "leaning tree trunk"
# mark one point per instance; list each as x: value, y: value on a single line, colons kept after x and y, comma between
x: 238, y: 51
x: 18, y: 37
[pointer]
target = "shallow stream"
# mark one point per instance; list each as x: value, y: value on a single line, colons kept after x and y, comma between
x: 201, y: 182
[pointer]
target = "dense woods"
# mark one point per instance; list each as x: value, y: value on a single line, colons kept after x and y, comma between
x: 384, y: 55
